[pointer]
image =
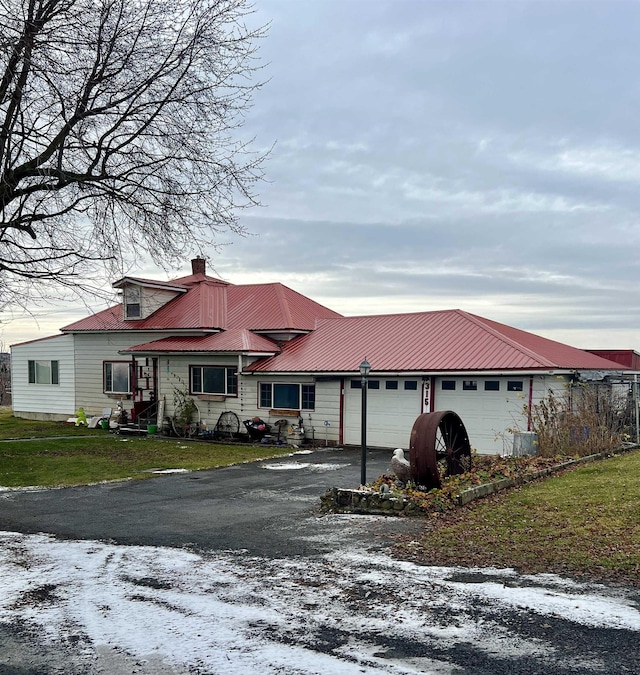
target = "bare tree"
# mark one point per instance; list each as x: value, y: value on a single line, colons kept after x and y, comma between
x: 5, y: 375
x: 117, y: 134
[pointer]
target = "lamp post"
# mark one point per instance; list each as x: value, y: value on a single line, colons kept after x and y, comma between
x: 365, y: 368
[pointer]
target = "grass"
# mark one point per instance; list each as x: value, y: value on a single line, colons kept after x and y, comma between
x: 14, y: 427
x: 58, y: 454
x: 583, y: 522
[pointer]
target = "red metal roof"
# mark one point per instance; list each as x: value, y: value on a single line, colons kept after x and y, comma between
x: 265, y: 307
x: 428, y: 341
x: 234, y: 340
x: 626, y: 357
x: 211, y: 304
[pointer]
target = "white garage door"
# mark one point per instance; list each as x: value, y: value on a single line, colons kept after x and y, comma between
x: 487, y: 413
x: 392, y: 408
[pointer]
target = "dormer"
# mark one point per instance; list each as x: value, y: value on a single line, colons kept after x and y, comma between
x: 142, y: 297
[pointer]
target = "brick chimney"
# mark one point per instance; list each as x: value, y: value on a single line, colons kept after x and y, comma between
x: 199, y: 265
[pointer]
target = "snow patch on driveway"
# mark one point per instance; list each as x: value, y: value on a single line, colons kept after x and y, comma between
x: 229, y: 612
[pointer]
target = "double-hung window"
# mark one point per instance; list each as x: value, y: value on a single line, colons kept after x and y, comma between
x: 132, y: 304
x: 288, y: 396
x: 117, y: 377
x: 44, y: 372
x: 214, y: 380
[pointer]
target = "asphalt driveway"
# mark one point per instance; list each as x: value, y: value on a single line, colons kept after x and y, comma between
x: 268, y: 508
x: 235, y: 570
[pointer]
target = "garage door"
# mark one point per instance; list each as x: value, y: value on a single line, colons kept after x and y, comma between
x: 487, y: 410
x: 392, y: 408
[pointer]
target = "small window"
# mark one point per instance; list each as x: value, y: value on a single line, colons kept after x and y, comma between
x: 132, y: 307
x: 470, y: 385
x: 374, y: 384
x: 43, y: 372
x: 411, y: 385
x: 492, y: 385
x: 391, y: 384
x: 514, y: 385
x: 448, y: 385
x: 117, y: 377
x: 356, y: 384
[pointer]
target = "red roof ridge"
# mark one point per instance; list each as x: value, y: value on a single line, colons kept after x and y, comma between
x: 284, y: 305
x: 199, y: 279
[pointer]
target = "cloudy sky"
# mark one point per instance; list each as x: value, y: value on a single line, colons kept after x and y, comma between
x: 438, y: 155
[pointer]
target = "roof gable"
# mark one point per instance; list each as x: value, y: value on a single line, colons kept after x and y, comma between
x: 427, y: 341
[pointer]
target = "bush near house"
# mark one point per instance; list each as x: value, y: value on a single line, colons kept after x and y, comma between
x: 582, y: 420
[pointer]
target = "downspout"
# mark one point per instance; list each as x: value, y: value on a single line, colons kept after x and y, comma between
x: 530, y: 406
x: 341, y: 423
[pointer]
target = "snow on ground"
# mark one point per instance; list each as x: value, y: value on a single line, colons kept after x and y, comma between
x: 228, y: 612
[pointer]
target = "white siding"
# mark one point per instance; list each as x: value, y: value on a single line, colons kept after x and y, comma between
x: 91, y: 351
x: 327, y: 409
x: 44, y: 401
x: 173, y: 374
x: 154, y: 298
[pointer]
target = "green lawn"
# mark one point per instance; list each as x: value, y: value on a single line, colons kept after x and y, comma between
x: 585, y: 521
x: 14, y: 427
x: 58, y: 454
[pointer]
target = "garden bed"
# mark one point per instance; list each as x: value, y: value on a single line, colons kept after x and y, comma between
x: 489, y: 475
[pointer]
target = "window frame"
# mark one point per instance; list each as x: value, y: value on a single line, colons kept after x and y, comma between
x: 230, y: 378
x: 515, y: 385
x: 132, y: 297
x: 306, y: 395
x: 495, y: 385
x: 469, y: 385
x: 105, y: 377
x: 448, y: 384
x: 53, y: 370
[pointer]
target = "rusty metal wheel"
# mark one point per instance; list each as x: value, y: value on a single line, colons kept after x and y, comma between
x: 439, y: 447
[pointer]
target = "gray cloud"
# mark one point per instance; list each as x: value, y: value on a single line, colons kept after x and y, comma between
x: 482, y: 155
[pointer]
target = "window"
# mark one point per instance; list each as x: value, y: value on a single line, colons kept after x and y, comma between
x: 132, y: 307
x: 44, y: 372
x: 492, y: 385
x: 214, y: 380
x: 411, y: 385
x: 391, y: 384
x: 448, y: 385
x: 117, y: 377
x: 470, y: 385
x: 371, y: 384
x: 287, y: 396
x: 514, y: 385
